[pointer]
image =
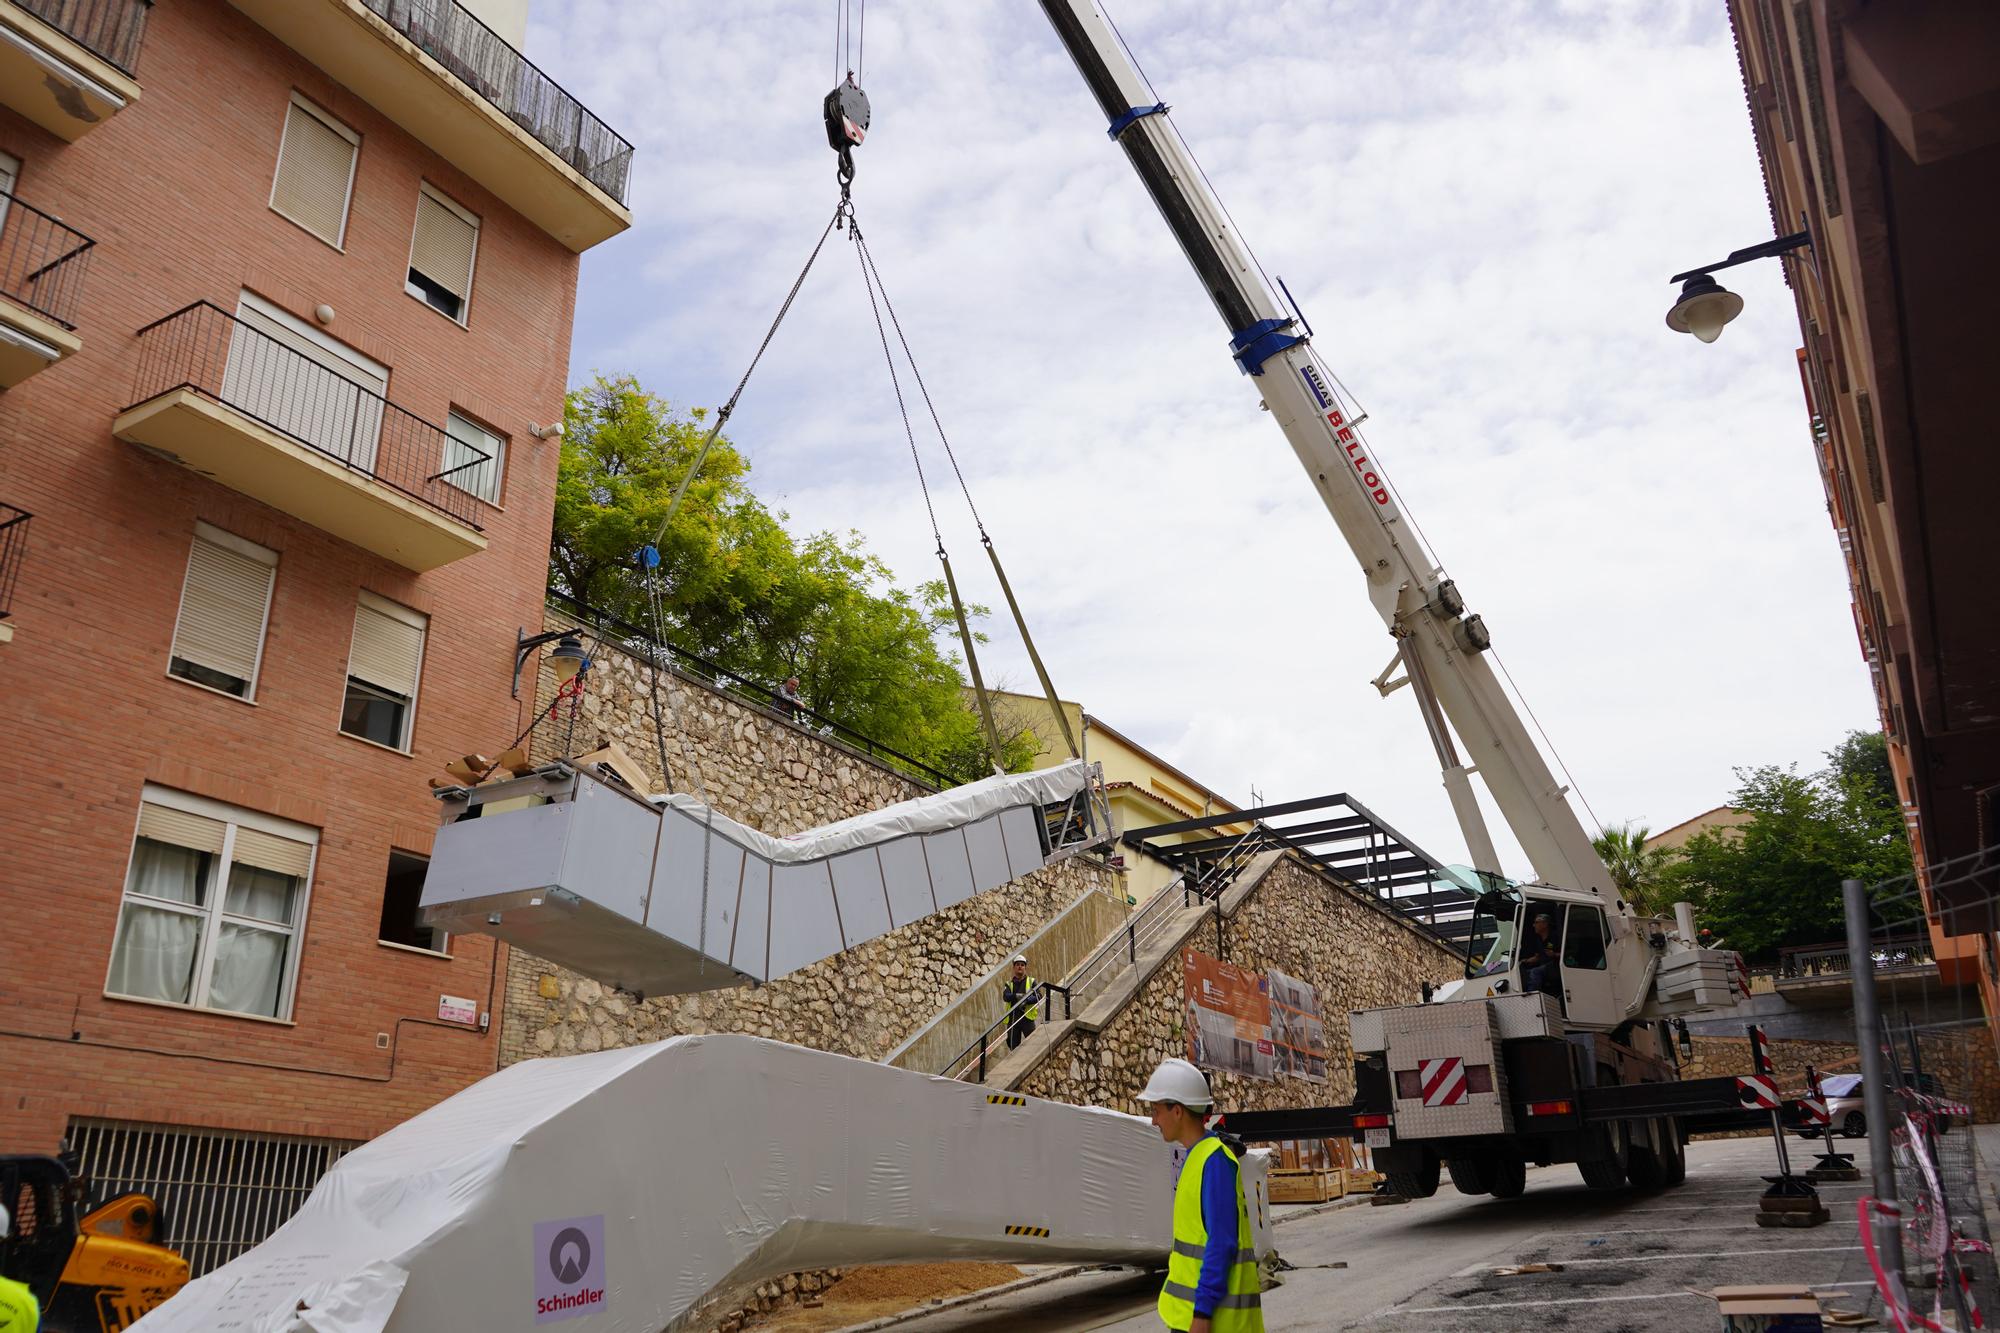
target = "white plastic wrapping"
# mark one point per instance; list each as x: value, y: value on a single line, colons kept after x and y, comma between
x: 666, y: 896
x: 619, y: 1190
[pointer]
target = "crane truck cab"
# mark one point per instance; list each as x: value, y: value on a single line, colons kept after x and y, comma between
x: 1601, y: 962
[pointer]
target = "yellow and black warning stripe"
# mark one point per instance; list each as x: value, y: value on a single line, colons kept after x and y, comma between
x: 1005, y: 1099
x: 1027, y: 1231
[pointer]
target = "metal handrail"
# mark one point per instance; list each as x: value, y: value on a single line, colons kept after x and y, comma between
x: 1902, y: 953
x: 113, y: 29
x: 13, y: 547
x: 762, y: 696
x: 204, y: 348
x: 973, y: 1057
x: 487, y: 63
x: 43, y: 260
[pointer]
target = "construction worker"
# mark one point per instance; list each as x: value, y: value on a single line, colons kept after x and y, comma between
x: 1212, y: 1280
x: 20, y: 1312
x: 1024, y: 1004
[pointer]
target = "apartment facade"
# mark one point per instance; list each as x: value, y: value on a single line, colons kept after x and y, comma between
x: 286, y: 291
x: 1878, y: 129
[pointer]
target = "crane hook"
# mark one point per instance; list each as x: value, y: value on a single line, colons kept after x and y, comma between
x: 846, y: 113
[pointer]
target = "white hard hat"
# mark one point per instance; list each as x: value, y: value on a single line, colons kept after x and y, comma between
x: 1020, y: 958
x: 1178, y: 1081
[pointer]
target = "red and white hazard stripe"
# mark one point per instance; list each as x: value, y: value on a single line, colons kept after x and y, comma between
x: 1815, y: 1110
x: 1756, y: 1092
x: 1443, y: 1080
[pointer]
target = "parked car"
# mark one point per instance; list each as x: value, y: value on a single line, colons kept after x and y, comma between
x: 1844, y: 1103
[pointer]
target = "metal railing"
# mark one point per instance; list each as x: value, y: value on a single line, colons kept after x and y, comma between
x: 42, y: 260
x: 971, y: 1062
x: 641, y: 643
x: 1828, y: 961
x: 113, y: 29
x: 13, y: 545
x: 208, y: 350
x: 483, y: 60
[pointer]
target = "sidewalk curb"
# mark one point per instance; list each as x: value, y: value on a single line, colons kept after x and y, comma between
x: 1330, y: 1206
x: 955, y: 1302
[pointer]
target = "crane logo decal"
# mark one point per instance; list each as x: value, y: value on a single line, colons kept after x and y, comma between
x: 1351, y: 442
x: 1443, y: 1080
x: 1310, y: 373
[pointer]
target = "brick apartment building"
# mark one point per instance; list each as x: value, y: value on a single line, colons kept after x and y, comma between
x: 286, y: 289
x: 1878, y: 129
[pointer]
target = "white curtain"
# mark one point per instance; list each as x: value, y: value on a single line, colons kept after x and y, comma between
x: 156, y: 946
x: 264, y: 894
x: 249, y: 974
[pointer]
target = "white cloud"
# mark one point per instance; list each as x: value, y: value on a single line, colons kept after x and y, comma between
x: 1477, y: 206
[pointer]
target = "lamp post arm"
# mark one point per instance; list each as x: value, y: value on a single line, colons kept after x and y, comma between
x: 525, y: 643
x: 1764, y: 250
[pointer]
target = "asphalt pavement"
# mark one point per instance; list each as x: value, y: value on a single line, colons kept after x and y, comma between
x: 1629, y: 1261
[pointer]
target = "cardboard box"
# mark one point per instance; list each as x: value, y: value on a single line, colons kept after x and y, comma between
x: 1782, y: 1308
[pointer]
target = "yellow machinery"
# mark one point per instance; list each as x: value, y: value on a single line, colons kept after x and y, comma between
x: 93, y: 1274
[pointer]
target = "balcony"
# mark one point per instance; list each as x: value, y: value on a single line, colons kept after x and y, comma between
x: 461, y: 90
x: 1822, y: 975
x: 42, y: 264
x: 70, y: 65
x: 13, y: 545
x: 229, y: 401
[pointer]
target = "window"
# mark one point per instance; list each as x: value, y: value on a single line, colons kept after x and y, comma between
x: 465, y: 441
x: 294, y: 378
x: 225, y: 605
x: 10, y: 174
x: 383, y: 665
x: 214, y: 898
x: 1583, y: 944
x: 401, y: 922
x: 315, y: 171
x: 441, y: 254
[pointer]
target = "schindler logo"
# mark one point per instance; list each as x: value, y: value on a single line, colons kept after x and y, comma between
x: 569, y: 1268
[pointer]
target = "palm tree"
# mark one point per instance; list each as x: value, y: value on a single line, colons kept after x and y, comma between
x: 1637, y: 870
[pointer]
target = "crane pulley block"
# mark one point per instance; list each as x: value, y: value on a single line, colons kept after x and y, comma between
x: 846, y: 111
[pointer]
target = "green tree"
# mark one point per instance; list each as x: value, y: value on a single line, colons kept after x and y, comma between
x: 737, y: 588
x: 1637, y: 868
x: 1775, y: 880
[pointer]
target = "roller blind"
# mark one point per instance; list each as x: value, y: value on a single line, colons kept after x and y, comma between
x: 197, y: 833
x: 221, y: 622
x: 443, y: 245
x: 388, y: 649
x: 268, y: 852
x: 315, y: 167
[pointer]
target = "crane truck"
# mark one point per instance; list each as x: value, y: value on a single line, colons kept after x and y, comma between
x: 1509, y: 1064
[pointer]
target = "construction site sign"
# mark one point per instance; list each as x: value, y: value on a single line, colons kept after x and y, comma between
x: 1297, y: 1028
x: 1228, y: 1018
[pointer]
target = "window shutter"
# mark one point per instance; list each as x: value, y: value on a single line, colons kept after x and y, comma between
x: 315, y: 166
x: 222, y: 609
x: 442, y: 248
x: 268, y: 852
x: 197, y: 833
x: 484, y: 479
x: 388, y: 649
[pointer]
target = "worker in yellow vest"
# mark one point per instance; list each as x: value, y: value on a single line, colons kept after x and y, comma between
x: 20, y: 1312
x: 1212, y: 1280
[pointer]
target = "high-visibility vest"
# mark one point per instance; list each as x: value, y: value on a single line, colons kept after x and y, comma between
x: 1015, y: 1013
x: 1241, y: 1310
x: 19, y: 1311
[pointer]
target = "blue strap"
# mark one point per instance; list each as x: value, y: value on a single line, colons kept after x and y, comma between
x: 1120, y: 125
x: 1260, y: 342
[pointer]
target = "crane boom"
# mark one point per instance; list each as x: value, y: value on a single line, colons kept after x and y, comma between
x: 1440, y: 648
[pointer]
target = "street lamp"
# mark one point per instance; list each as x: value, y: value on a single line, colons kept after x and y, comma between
x: 567, y: 657
x: 1705, y: 305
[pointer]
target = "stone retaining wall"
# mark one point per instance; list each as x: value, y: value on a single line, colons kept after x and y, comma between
x: 1962, y: 1059
x: 1294, y: 919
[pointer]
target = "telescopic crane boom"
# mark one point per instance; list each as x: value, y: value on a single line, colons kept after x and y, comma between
x: 1441, y: 649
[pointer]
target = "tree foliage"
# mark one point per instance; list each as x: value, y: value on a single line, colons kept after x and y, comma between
x: 1638, y: 868
x: 737, y: 588
x: 1775, y: 880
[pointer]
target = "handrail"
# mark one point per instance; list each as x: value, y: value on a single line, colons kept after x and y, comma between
x: 983, y: 1042
x: 487, y: 63
x: 43, y: 260
x: 204, y: 348
x: 13, y: 546
x: 1832, y: 960
x: 113, y: 29
x: 761, y: 695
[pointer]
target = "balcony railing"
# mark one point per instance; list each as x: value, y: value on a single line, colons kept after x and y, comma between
x: 13, y: 545
x: 42, y: 260
x: 482, y: 60
x: 209, y: 351
x: 113, y: 29
x: 1827, y: 962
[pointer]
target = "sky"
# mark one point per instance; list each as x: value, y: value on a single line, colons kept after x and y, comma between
x: 1477, y: 206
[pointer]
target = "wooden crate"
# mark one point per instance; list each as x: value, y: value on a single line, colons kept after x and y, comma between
x: 1305, y: 1186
